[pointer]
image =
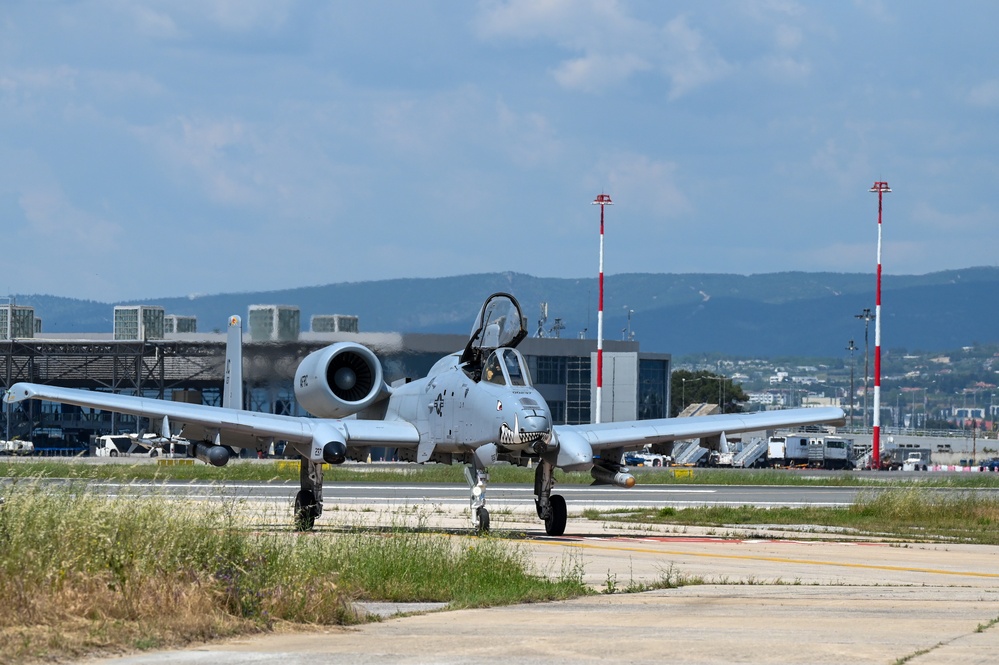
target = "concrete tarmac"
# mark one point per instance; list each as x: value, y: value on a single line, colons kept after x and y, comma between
x: 759, y: 597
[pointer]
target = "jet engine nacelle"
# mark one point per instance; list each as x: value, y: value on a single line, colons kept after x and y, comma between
x: 339, y: 380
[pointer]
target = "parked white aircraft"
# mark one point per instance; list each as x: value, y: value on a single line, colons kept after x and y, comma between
x: 476, y: 406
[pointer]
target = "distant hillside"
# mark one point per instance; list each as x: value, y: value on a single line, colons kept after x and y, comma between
x: 768, y: 314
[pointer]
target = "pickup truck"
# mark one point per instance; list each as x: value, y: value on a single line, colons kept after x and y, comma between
x: 914, y: 462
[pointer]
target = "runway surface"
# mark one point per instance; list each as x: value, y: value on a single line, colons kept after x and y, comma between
x: 516, y: 496
x: 766, y: 595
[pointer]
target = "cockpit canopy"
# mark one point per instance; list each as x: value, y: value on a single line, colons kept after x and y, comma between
x: 506, y: 367
x: 499, y: 324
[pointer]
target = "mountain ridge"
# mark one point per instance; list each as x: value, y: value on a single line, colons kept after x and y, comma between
x: 681, y: 313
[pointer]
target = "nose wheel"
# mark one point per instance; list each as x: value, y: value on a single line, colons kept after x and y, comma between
x: 482, y: 520
x: 557, y: 516
x: 305, y: 511
x: 309, y: 500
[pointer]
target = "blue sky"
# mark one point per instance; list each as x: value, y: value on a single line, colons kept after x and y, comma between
x: 177, y: 147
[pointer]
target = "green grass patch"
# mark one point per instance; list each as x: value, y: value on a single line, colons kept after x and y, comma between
x: 913, y: 513
x: 83, y: 573
x: 274, y: 471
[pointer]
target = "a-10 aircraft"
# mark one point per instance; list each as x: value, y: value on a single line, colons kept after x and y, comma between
x: 476, y: 406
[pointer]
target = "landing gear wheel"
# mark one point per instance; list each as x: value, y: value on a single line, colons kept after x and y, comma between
x: 482, y: 521
x: 305, y: 511
x: 555, y: 523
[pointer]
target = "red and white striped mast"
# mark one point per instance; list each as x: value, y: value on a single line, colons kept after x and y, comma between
x: 601, y: 200
x: 879, y: 187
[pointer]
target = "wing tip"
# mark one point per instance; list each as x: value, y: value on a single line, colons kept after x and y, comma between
x: 18, y: 393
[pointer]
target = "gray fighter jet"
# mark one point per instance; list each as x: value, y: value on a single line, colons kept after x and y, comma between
x: 476, y: 406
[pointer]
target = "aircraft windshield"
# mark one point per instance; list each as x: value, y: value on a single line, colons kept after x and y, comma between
x: 513, y: 368
x: 513, y: 362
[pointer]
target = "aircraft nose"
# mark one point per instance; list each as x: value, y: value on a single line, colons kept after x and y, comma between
x: 529, y: 429
x: 535, y: 423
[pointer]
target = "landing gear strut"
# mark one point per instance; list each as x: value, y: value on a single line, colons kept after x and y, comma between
x: 477, y: 480
x: 551, y: 507
x: 309, y: 500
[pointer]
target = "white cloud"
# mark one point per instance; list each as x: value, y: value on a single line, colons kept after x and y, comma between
x: 985, y: 95
x: 788, y: 37
x: 689, y: 60
x: 527, y: 138
x: 614, y: 46
x: 57, y: 225
x: 151, y: 23
x: 845, y: 167
x: 219, y: 154
x: 39, y: 80
x: 597, y: 72
x: 954, y: 223
x: 647, y: 184
x: 785, y: 68
x: 247, y: 15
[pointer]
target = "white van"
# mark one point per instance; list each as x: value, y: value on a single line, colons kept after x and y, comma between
x: 114, y: 445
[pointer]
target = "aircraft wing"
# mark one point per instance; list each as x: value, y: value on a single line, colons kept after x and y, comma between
x: 634, y: 434
x: 236, y: 428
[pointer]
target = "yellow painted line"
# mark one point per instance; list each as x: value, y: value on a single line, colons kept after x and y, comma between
x: 771, y: 559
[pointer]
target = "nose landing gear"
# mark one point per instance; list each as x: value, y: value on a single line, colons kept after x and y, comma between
x: 477, y: 480
x: 551, y: 507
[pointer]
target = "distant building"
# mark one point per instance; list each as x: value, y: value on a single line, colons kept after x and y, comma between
x: 769, y: 399
x: 138, y: 322
x: 820, y: 400
x: 329, y: 323
x: 175, y: 323
x: 16, y: 322
x: 274, y: 323
x: 967, y: 413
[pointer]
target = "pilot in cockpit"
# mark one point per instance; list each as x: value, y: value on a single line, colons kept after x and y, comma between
x: 493, y: 372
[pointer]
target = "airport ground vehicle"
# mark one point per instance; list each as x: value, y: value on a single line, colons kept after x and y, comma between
x: 829, y: 452
x: 789, y: 450
x: 905, y: 458
x: 17, y: 447
x: 114, y: 445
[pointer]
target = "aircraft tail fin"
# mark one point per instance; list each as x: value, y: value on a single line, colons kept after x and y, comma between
x: 232, y: 390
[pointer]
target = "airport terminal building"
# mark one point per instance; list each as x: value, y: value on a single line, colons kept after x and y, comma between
x: 188, y: 366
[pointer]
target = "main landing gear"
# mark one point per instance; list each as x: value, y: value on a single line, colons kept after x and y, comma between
x: 551, y: 507
x: 309, y: 500
x: 477, y: 480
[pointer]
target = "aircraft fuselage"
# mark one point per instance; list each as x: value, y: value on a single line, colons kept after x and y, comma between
x: 455, y: 413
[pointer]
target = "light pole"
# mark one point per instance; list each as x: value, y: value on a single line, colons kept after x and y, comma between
x: 992, y: 410
x: 880, y: 187
x: 629, y: 337
x: 851, y: 348
x: 866, y: 316
x: 602, y: 200
x: 721, y: 384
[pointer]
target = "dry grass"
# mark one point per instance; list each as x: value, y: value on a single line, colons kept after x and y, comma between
x: 83, y: 574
